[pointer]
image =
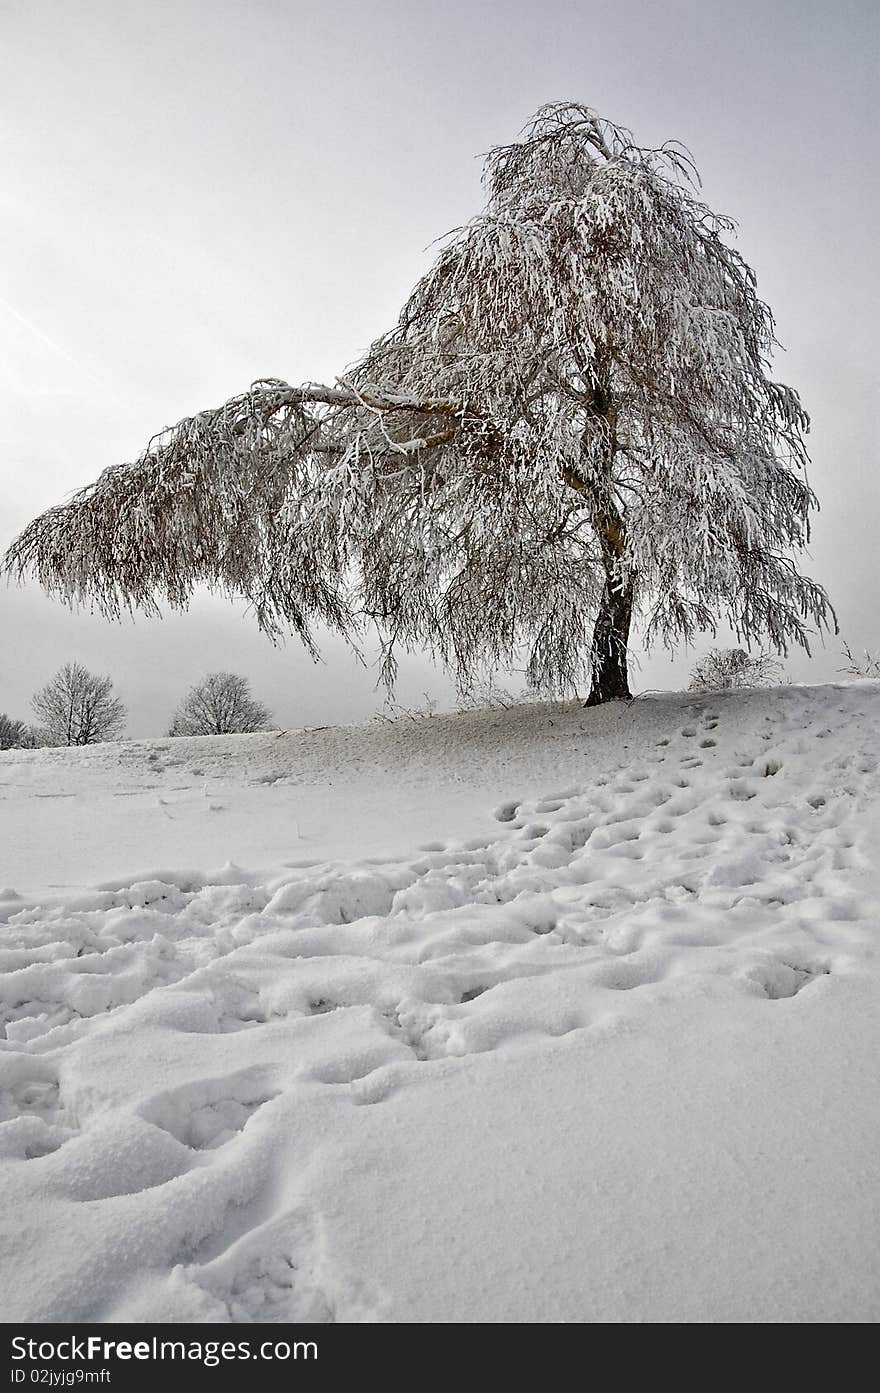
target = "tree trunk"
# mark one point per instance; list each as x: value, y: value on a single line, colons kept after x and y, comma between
x: 608, y: 654
x: 610, y: 639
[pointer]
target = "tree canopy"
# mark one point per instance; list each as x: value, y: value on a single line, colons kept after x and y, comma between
x: 221, y: 704
x: 78, y: 708
x: 572, y: 423
x: 13, y: 733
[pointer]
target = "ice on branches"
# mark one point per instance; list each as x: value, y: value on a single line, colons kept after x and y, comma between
x: 572, y: 424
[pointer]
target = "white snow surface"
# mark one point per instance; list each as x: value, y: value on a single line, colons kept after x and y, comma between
x: 546, y: 1014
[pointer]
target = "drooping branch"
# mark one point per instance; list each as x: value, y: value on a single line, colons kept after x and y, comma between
x: 228, y: 498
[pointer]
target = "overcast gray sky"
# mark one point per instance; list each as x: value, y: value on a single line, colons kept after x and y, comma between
x: 197, y: 194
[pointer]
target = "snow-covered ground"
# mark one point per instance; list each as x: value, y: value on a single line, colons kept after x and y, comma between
x: 541, y: 1014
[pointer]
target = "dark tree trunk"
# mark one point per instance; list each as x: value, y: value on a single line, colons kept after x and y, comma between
x: 608, y: 654
x: 610, y: 639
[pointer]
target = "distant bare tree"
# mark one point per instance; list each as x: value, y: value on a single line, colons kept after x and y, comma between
x: 78, y: 708
x: 37, y: 738
x: 723, y: 668
x: 12, y: 733
x: 221, y: 704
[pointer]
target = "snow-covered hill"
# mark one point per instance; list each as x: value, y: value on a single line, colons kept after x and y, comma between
x: 540, y: 1014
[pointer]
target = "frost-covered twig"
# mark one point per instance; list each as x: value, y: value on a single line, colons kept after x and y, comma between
x: 868, y: 665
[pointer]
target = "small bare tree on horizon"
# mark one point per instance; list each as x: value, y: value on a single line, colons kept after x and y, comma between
x: 724, y: 668
x: 13, y: 733
x: 78, y: 708
x: 221, y: 704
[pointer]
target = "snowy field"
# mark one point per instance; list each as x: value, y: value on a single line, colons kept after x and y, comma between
x: 544, y: 1014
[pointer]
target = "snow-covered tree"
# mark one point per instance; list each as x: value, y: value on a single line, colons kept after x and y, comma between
x: 723, y: 668
x: 78, y: 708
x: 13, y: 733
x: 571, y: 424
x: 221, y: 704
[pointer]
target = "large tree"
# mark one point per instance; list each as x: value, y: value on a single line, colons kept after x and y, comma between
x: 572, y: 423
x: 78, y: 708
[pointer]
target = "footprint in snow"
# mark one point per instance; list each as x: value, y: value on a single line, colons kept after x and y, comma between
x: 269, y: 1275
x: 533, y: 831
x: 471, y: 994
x: 624, y: 976
x: 33, y: 1121
x: 206, y: 1115
x: 768, y: 767
x: 780, y: 980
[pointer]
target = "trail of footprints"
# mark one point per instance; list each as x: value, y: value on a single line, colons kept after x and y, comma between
x: 593, y: 887
x: 565, y: 839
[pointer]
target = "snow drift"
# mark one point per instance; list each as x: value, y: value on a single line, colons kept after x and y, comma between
x: 541, y: 1014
